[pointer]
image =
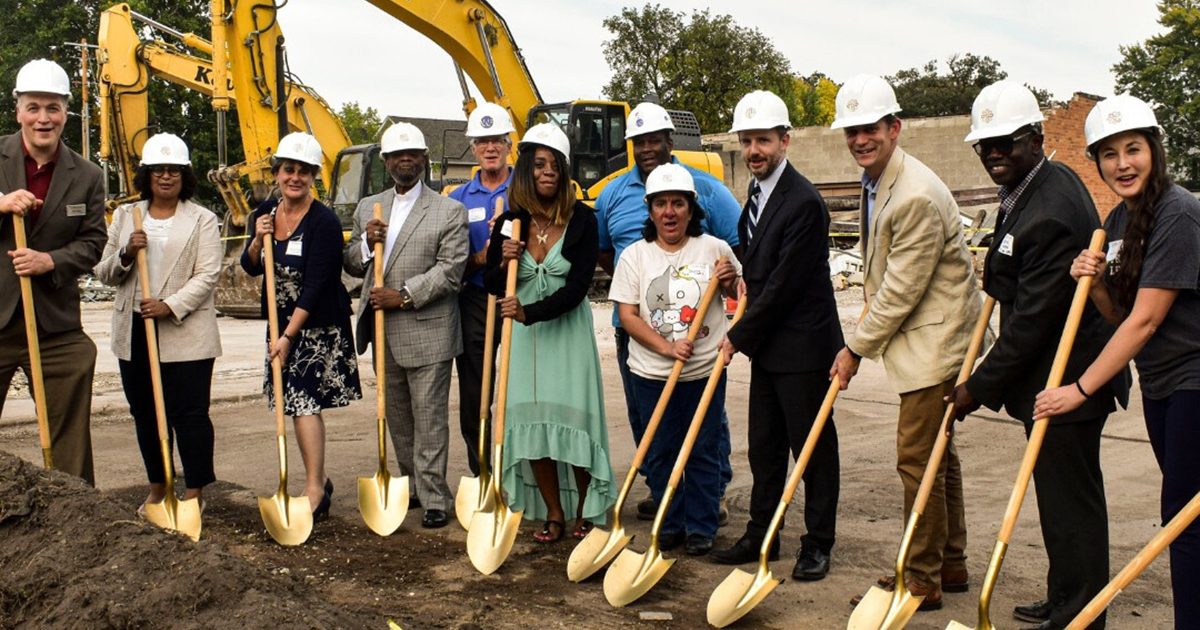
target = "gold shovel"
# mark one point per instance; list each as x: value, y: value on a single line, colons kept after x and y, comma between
x: 37, y: 383
x: 1169, y: 533
x: 633, y: 574
x: 171, y: 513
x: 472, y: 496
x: 739, y: 593
x: 382, y: 500
x: 1032, y: 448
x: 494, y: 528
x: 288, y: 519
x: 880, y: 609
x: 599, y: 547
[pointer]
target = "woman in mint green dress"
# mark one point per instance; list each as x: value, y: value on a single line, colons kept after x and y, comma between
x: 555, y: 438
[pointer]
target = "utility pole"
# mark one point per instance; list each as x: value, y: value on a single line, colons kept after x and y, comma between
x: 85, y: 108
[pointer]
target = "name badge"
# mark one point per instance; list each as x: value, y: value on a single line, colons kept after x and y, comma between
x: 1006, y: 245
x: 76, y: 209
x: 475, y: 215
x: 506, y: 229
x: 293, y: 248
x: 1114, y: 250
x: 699, y: 272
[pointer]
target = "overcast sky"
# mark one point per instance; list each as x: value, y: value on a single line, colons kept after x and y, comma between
x: 351, y: 51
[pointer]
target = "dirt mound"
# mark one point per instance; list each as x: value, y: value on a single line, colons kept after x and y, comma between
x: 74, y: 557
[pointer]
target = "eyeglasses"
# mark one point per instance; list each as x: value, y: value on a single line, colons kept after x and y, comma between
x: 486, y: 140
x: 166, y: 169
x: 1003, y: 144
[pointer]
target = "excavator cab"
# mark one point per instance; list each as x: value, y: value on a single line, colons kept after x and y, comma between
x: 358, y: 172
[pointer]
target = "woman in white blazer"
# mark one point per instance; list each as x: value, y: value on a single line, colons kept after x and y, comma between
x: 183, y: 255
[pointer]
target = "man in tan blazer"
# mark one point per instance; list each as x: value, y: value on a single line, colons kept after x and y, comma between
x: 61, y: 196
x: 922, y: 304
x: 425, y: 250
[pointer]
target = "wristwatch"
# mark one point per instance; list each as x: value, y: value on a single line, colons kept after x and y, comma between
x: 406, y: 301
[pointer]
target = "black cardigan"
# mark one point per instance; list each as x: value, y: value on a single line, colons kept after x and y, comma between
x: 323, y: 295
x: 580, y: 247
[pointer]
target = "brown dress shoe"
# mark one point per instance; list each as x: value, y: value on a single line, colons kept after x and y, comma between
x: 955, y: 580
x: 932, y: 595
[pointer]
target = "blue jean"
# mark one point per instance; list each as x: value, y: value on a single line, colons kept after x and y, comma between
x: 697, y: 499
x: 638, y: 425
x: 1174, y: 428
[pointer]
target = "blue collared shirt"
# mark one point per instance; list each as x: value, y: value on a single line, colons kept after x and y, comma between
x: 621, y: 212
x: 480, y: 203
x: 870, y: 186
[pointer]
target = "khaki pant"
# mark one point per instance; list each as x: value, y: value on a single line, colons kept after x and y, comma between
x: 940, y: 540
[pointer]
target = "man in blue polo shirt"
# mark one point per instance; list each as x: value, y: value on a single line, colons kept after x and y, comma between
x: 488, y: 127
x: 621, y: 212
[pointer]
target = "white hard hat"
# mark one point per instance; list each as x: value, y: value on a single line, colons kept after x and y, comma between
x: 548, y: 135
x: 669, y: 177
x: 42, y: 75
x: 489, y: 119
x: 647, y: 118
x: 760, y: 110
x: 402, y: 136
x: 863, y: 99
x: 298, y: 147
x: 165, y: 148
x: 1115, y: 115
x: 1002, y: 108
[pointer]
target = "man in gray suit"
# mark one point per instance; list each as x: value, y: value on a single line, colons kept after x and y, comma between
x: 425, y: 249
x: 61, y: 196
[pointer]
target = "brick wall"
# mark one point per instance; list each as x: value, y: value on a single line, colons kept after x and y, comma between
x: 1064, y: 138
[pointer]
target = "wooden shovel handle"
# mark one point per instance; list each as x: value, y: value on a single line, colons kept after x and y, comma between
x: 380, y: 336
x: 489, y: 337
x: 1038, y: 433
x: 710, y: 388
x: 1137, y: 565
x: 943, y: 438
x: 38, y: 384
x: 268, y: 252
x: 156, y: 383
x: 510, y: 288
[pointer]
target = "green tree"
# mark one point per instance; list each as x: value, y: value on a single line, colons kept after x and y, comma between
x: 815, y: 96
x: 362, y: 125
x: 1165, y: 72
x: 703, y: 62
x: 925, y: 91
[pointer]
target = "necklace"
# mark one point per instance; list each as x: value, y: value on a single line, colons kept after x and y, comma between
x: 295, y: 222
x: 542, y: 236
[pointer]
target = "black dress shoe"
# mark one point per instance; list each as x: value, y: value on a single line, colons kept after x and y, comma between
x: 698, y: 545
x: 434, y: 519
x: 745, y: 550
x: 1036, y: 612
x: 669, y: 541
x: 647, y: 509
x: 322, y: 511
x: 811, y: 564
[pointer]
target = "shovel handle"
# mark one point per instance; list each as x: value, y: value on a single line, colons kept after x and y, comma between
x: 510, y: 288
x: 273, y: 335
x: 489, y: 360
x: 160, y: 407
x: 1137, y: 565
x: 38, y: 384
x: 1038, y: 433
x: 380, y: 336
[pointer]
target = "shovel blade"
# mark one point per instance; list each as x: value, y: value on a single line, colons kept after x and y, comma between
x: 176, y: 515
x: 472, y: 497
x: 881, y: 610
x: 737, y: 595
x: 954, y: 625
x: 288, y: 519
x: 595, y: 551
x: 490, y: 537
x: 633, y: 575
x: 383, y: 502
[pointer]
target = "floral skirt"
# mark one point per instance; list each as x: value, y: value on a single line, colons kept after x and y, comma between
x: 320, y: 372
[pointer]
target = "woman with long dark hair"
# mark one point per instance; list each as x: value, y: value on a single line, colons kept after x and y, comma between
x: 555, y: 440
x: 1151, y: 288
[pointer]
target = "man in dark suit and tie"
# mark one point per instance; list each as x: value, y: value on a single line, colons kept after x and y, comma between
x: 791, y: 334
x: 61, y: 196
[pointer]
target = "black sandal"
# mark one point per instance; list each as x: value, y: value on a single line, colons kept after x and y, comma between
x: 546, y: 536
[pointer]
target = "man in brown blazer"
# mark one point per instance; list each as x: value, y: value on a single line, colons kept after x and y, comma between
x: 922, y: 304
x: 425, y: 250
x: 61, y: 196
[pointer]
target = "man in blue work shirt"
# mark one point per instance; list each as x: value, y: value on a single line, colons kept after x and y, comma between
x: 488, y: 127
x: 621, y: 212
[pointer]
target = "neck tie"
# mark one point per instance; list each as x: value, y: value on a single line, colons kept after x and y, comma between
x: 752, y: 210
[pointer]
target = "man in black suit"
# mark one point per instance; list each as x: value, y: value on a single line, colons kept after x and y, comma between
x: 791, y: 334
x: 1046, y: 218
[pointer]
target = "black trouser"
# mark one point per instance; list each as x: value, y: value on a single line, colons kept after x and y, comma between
x: 783, y: 407
x: 472, y: 304
x: 1074, y: 516
x: 186, y: 389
